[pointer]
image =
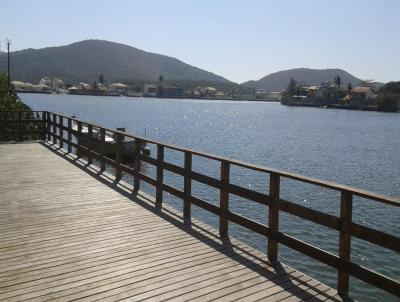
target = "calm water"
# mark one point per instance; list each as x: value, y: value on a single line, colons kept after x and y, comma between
x: 349, y: 147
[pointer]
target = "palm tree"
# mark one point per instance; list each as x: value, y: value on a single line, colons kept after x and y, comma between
x: 101, y: 79
x: 338, y: 81
x: 161, y: 87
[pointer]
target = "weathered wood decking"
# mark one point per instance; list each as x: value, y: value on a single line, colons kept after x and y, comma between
x: 67, y: 236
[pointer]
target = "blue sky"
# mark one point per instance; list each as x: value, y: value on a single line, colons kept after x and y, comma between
x: 240, y: 40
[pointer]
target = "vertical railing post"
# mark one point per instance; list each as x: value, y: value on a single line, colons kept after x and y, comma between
x: 346, y: 209
x: 118, y: 155
x: 224, y: 199
x: 102, y: 149
x: 79, y: 139
x: 19, y: 131
x: 187, y: 188
x: 61, y: 130
x: 136, y: 167
x: 69, y: 135
x: 54, y: 129
x: 273, y: 217
x: 90, y: 144
x: 160, y: 175
x: 43, y: 134
x: 48, y: 126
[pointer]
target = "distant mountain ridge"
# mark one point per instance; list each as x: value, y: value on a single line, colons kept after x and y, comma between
x: 84, y: 62
x: 278, y: 81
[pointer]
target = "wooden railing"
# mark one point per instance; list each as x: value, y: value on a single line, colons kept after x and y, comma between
x: 56, y: 126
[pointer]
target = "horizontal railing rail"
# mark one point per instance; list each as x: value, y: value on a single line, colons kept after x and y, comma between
x: 60, y: 129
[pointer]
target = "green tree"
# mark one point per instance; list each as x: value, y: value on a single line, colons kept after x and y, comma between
x: 101, y: 79
x: 289, y: 92
x: 291, y: 89
x: 161, y: 86
x: 389, y: 97
x: 349, y: 87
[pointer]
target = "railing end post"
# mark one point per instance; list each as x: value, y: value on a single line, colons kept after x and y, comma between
x: 346, y: 209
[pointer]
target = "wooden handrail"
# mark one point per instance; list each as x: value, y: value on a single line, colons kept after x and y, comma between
x: 344, y: 224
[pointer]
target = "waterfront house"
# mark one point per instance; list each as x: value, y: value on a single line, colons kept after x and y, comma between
x: 194, y: 94
x: 46, y: 81
x: 118, y: 88
x: 170, y: 91
x: 149, y: 90
x: 41, y: 87
x: 365, y: 95
x: 275, y: 95
x: 73, y: 90
x: 220, y: 95
x: 312, y: 91
x: 22, y: 86
x: 209, y: 91
x: 84, y: 86
x: 261, y: 94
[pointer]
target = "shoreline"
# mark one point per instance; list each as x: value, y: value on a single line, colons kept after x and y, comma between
x: 328, y: 106
x: 155, y: 97
x: 343, y: 107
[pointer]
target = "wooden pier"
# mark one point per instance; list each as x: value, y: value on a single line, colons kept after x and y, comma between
x: 72, y: 232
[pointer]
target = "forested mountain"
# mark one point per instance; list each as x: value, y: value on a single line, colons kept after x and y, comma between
x: 278, y: 81
x: 84, y: 61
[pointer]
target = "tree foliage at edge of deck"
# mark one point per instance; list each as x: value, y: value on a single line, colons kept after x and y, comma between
x: 9, y: 103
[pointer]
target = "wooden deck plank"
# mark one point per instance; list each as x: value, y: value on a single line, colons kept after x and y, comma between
x: 151, y: 278
x: 66, y: 236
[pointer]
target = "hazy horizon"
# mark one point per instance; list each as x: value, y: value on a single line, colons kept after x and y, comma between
x: 238, y: 40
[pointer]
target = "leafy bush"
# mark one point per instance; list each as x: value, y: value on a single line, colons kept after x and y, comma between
x: 9, y: 104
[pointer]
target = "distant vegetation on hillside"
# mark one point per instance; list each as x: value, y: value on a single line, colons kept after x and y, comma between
x: 278, y: 81
x: 84, y: 61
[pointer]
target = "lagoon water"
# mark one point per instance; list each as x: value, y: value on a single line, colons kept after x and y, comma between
x: 361, y: 149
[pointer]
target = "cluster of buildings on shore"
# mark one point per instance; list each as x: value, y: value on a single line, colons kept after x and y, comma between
x: 325, y: 94
x: 333, y: 94
x: 55, y: 85
x: 45, y: 85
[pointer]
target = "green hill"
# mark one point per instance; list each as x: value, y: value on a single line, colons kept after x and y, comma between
x: 86, y: 60
x: 278, y: 81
